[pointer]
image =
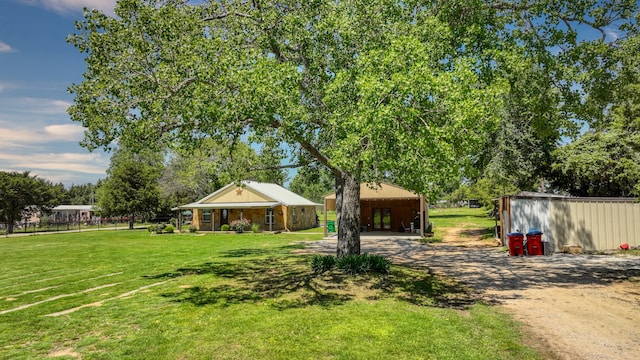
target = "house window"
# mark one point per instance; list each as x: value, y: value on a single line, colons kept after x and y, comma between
x: 295, y: 216
x: 206, y: 215
x: 269, y: 218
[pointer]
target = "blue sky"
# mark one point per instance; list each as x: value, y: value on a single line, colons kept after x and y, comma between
x: 36, y: 67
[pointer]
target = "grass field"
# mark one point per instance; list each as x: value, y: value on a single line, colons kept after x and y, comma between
x: 445, y: 219
x: 132, y: 295
x: 465, y: 217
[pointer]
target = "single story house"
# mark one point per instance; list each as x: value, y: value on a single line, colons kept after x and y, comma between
x: 386, y: 207
x: 594, y: 223
x: 270, y: 206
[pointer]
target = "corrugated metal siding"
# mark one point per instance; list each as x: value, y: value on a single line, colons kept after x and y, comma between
x: 532, y: 213
x: 595, y: 224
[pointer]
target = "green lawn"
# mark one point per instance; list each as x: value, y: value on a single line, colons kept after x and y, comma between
x: 444, y: 219
x: 468, y: 218
x: 248, y: 296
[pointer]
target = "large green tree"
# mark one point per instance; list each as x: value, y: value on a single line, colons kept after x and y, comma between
x: 313, y: 181
x: 600, y: 163
x: 372, y: 90
x: 191, y: 174
x: 605, y: 161
x: 131, y: 187
x: 80, y: 194
x: 23, y: 195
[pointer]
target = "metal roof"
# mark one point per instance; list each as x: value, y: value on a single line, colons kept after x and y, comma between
x: 279, y: 194
x: 274, y: 192
x: 227, y: 205
x: 384, y: 191
x: 74, y: 208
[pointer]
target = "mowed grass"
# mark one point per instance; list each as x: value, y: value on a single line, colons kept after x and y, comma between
x: 475, y: 218
x: 248, y: 296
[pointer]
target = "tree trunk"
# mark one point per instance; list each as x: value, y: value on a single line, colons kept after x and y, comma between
x: 348, y: 215
x: 131, y: 222
x: 10, y: 227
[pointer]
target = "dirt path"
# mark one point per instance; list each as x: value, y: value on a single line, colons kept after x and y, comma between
x: 467, y: 237
x: 572, y: 306
x: 589, y: 311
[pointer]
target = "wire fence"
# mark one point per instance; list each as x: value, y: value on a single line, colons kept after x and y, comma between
x: 44, y: 225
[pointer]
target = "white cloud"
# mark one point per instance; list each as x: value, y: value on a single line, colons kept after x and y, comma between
x: 65, y: 167
x: 5, y: 48
x: 88, y: 163
x: 26, y: 137
x: 65, y: 131
x: 68, y: 6
x: 36, y: 105
x: 612, y: 34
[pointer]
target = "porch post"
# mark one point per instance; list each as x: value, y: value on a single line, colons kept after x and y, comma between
x: 422, y: 216
x: 213, y: 220
x: 426, y: 214
x: 326, y: 231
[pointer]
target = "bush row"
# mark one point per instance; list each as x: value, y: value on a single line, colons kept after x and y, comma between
x: 161, y: 228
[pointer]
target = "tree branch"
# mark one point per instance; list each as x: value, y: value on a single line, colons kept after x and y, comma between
x: 313, y: 151
x: 279, y: 167
x: 227, y: 14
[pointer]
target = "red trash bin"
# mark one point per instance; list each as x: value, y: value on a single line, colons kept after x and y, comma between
x: 534, y: 242
x: 516, y: 240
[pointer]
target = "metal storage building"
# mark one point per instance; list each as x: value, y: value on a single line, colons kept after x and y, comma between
x: 595, y: 223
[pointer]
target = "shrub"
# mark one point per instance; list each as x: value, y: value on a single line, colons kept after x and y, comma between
x: 322, y: 263
x: 379, y: 264
x: 255, y: 228
x: 157, y: 228
x: 192, y: 228
x: 363, y: 263
x: 169, y: 229
x: 352, y: 264
x: 224, y: 227
x: 240, y: 225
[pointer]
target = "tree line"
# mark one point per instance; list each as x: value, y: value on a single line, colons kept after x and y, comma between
x: 138, y: 184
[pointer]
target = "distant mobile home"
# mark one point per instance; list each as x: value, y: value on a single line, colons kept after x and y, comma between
x: 73, y: 213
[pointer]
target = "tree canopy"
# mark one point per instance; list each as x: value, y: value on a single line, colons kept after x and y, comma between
x: 131, y: 187
x: 372, y: 90
x: 191, y: 174
x: 605, y: 161
x: 313, y: 182
x: 80, y: 194
x: 23, y: 195
x: 602, y: 163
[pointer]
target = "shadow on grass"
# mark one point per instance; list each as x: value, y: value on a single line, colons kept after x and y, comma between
x: 238, y: 253
x: 287, y: 282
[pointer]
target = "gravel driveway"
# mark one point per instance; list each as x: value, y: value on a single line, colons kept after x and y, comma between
x: 572, y: 306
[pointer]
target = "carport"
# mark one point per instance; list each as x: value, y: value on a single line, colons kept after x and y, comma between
x: 386, y: 208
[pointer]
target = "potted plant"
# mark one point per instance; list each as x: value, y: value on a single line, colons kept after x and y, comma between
x: 240, y: 225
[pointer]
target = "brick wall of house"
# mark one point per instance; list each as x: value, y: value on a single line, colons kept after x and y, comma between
x: 305, y: 218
